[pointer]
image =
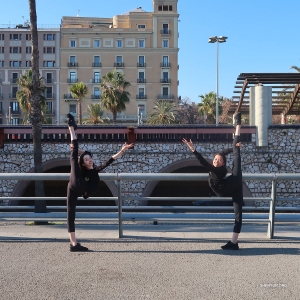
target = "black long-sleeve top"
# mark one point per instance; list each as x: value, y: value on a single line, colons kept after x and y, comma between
x: 92, y: 178
x: 216, y: 174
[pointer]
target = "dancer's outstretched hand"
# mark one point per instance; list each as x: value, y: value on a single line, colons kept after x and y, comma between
x: 189, y: 144
x: 126, y: 146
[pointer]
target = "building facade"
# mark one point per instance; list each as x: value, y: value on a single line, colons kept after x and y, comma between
x: 142, y: 45
x: 15, y: 59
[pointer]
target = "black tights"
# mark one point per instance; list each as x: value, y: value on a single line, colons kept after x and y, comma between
x: 76, y: 187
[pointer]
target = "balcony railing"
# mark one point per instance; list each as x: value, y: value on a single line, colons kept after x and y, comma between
x: 49, y: 95
x: 119, y: 64
x: 68, y: 96
x: 97, y: 64
x: 141, y: 96
x: 72, y: 64
x: 165, y: 31
x: 95, y: 96
x: 165, y: 64
x: 16, y: 111
x: 141, y: 64
x: 72, y: 80
x: 141, y: 80
x: 96, y: 80
x: 14, y: 80
x: 165, y: 80
x: 12, y: 95
x: 48, y: 80
x: 165, y: 97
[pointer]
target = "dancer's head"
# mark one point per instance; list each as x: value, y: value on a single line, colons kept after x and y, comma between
x: 86, y: 160
x: 219, y: 160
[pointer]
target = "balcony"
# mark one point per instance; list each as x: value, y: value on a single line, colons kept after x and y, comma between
x: 51, y: 112
x: 141, y: 97
x: 68, y: 96
x: 141, y: 65
x: 97, y: 64
x: 165, y: 80
x: 165, y: 31
x: 72, y: 64
x: 95, y: 96
x: 165, y: 64
x: 48, y: 80
x: 96, y: 80
x: 49, y: 96
x: 141, y: 80
x: 16, y: 111
x: 14, y: 80
x: 72, y: 80
x: 119, y: 64
x: 12, y: 95
x: 165, y: 97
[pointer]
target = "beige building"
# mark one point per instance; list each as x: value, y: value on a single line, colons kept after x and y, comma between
x: 15, y: 58
x: 143, y: 45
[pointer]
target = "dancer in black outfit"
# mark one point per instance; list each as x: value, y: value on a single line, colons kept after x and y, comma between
x: 84, y: 180
x: 231, y: 186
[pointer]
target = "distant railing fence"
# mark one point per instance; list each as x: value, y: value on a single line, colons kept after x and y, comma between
x: 166, y: 213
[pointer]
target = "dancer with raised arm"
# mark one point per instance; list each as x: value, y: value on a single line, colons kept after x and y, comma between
x: 232, y: 186
x: 84, y: 180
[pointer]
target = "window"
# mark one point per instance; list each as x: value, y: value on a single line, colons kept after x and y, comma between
x: 49, y: 37
x: 28, y: 49
x: 1, y: 49
x: 1, y: 36
x: 48, y: 92
x: 165, y: 43
x: 165, y: 27
x: 15, y: 50
x: 2, y: 63
x: 28, y: 37
x: 141, y: 76
x: 49, y: 64
x: 15, y: 36
x: 72, y: 43
x: 72, y: 59
x: 28, y: 63
x: 119, y: 59
x: 73, y: 77
x: 97, y: 43
x: 141, y: 26
x: 49, y: 106
x: 165, y: 8
x: 14, y: 77
x: 141, y: 43
x: 96, y: 93
x: 96, y: 77
x: 141, y: 110
x: 72, y: 109
x: 49, y: 50
x: 165, y: 61
x: 165, y: 75
x: 14, y: 121
x: 165, y: 91
x: 15, y: 64
x: 119, y: 43
x: 141, y: 92
x: 49, y: 78
x: 14, y: 107
x: 141, y: 61
x: 0, y: 105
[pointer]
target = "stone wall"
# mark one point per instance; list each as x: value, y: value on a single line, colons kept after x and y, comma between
x: 280, y: 156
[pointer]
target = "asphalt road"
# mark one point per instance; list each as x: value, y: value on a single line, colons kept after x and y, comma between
x: 150, y: 269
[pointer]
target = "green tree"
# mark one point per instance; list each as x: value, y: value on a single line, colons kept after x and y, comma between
x: 207, y: 106
x: 114, y: 95
x: 35, y: 115
x: 95, y: 113
x: 164, y: 112
x: 79, y: 91
x: 24, y: 96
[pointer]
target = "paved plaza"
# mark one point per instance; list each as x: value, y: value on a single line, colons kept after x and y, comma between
x: 164, y: 261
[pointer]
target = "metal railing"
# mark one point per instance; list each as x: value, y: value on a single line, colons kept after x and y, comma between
x: 252, y: 217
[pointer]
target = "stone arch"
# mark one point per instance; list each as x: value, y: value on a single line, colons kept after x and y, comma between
x: 190, y: 162
x: 21, y: 186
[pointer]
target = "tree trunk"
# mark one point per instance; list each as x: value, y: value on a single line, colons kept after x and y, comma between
x: 115, y: 117
x: 35, y: 111
x: 79, y: 112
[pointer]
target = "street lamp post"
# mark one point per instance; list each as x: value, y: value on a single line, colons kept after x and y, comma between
x: 215, y: 39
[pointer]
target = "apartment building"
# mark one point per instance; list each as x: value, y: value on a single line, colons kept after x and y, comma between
x: 142, y: 45
x: 15, y: 58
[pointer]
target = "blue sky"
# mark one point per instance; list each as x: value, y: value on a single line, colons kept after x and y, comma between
x: 262, y: 35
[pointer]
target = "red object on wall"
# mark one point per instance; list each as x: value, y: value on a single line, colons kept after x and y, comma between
x: 2, y: 137
x: 131, y: 135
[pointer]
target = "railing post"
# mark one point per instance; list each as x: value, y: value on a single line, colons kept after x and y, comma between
x: 120, y: 209
x: 270, y: 233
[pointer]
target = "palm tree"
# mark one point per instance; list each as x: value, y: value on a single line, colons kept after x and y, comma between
x: 79, y: 91
x: 24, y: 95
x: 35, y: 116
x: 114, y: 95
x: 163, y: 113
x: 95, y: 113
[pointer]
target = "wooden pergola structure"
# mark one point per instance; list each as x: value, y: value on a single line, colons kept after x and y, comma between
x: 285, y: 92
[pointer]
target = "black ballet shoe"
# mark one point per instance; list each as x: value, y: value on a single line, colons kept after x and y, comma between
x: 237, y: 119
x: 71, y: 121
